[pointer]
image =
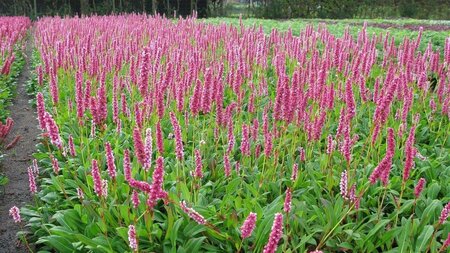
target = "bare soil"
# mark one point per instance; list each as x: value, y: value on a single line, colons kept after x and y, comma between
x: 17, y: 159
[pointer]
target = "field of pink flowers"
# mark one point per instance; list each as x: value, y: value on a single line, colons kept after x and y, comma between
x: 164, y: 135
x: 12, y: 33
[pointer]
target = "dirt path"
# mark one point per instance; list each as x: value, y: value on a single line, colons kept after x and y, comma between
x: 15, y: 163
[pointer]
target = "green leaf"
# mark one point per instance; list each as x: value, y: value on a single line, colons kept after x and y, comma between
x: 194, y: 244
x: 58, y: 242
x: 403, y: 243
x: 424, y: 237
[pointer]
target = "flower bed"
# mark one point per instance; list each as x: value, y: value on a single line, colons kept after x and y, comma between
x: 179, y: 136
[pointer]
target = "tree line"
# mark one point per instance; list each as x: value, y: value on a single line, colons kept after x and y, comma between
x: 275, y: 9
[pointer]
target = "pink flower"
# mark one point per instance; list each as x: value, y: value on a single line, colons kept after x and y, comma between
x: 192, y: 213
x: 330, y: 144
x: 275, y: 234
x: 294, y: 172
x: 419, y: 187
x: 104, y: 188
x: 349, y: 99
x: 53, y: 130
x: 40, y: 108
x: 410, y: 153
x: 135, y: 199
x: 302, y: 154
x: 110, y: 161
x: 255, y: 129
x: 140, y: 185
x: 156, y: 189
x: 79, y: 94
x: 6, y: 128
x: 195, y: 99
x: 267, y: 144
x: 97, y: 179
x: 54, y: 88
x: 132, y: 238
x: 444, y: 213
x: 15, y: 213
x: 148, y: 148
x: 80, y: 194
x: 139, y: 149
x: 144, y: 70
x: 32, y: 180
x: 231, y: 140
x: 55, y: 164
x: 384, y: 167
x: 287, y: 201
x: 127, y: 165
x: 445, y: 244
x: 245, y: 144
x: 343, y: 185
x: 159, y: 138
x: 71, y: 146
x: 198, y: 164
x: 248, y: 226
x: 316, y: 251
x: 178, y: 138
x: 35, y: 167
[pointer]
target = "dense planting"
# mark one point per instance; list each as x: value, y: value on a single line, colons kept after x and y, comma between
x: 179, y: 136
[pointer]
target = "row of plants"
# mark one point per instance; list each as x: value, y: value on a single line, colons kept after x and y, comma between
x: 182, y: 136
x: 12, y: 37
x: 436, y: 31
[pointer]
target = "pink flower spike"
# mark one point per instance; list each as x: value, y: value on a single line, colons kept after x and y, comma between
x: 71, y: 146
x: 132, y: 237
x: 139, y: 149
x: 32, y: 181
x: 55, y: 164
x: 198, y: 164
x: 40, y: 107
x: 178, y: 138
x: 445, y: 244
x: 156, y: 189
x: 159, y: 138
x: 343, y: 185
x: 127, y: 165
x: 80, y: 194
x: 53, y: 130
x: 444, y: 213
x: 135, y: 199
x: 330, y: 144
x: 148, y: 148
x: 275, y: 234
x: 15, y: 213
x: 110, y: 161
x: 287, y: 201
x: 192, y: 213
x: 419, y: 187
x: 245, y: 144
x: 97, y: 179
x: 294, y: 172
x: 35, y: 167
x: 248, y: 226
